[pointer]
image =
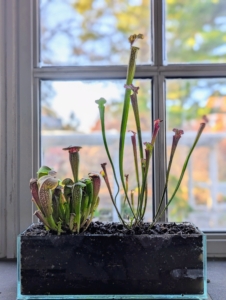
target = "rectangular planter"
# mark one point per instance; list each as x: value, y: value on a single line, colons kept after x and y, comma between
x: 168, y: 266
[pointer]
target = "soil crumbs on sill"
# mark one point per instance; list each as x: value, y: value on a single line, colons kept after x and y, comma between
x: 99, y: 228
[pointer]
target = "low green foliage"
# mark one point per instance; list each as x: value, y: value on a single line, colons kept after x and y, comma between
x: 68, y: 205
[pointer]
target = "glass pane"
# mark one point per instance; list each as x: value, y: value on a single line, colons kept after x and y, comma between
x: 70, y: 116
x: 196, y: 31
x: 201, y: 197
x: 94, y: 32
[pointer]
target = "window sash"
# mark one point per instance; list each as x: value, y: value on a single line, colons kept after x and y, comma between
x: 159, y: 71
x: 20, y: 125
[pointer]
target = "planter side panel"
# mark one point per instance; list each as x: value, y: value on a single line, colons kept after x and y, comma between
x: 76, y: 265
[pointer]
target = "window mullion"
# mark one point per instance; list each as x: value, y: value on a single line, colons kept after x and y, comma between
x: 92, y: 72
x: 11, y: 134
x: 193, y: 71
x: 158, y: 104
x: 36, y: 142
x: 2, y: 132
x: 158, y: 31
x: 36, y: 138
x: 159, y: 156
x: 25, y: 115
x: 36, y: 32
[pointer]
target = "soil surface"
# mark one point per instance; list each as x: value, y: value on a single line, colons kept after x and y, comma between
x: 117, y: 229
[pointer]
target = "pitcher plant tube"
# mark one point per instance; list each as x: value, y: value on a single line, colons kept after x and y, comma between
x: 142, y: 158
x: 68, y: 205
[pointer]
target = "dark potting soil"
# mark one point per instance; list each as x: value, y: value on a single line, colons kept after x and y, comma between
x: 117, y: 229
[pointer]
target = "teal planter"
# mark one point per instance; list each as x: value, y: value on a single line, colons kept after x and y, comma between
x: 164, y: 266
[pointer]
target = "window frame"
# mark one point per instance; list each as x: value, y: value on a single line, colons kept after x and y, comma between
x: 20, y: 106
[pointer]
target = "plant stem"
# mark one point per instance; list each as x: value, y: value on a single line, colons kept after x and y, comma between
x: 202, y: 126
x: 105, y: 176
x: 125, y: 113
x: 133, y: 139
x: 101, y: 107
x: 137, y: 120
x: 144, y: 183
x: 145, y: 200
x: 166, y: 185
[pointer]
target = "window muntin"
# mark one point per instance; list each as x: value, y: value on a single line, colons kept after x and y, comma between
x: 201, y: 198
x: 94, y: 32
x: 196, y: 31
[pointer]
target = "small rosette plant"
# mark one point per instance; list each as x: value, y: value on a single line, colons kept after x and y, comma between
x: 142, y: 155
x: 67, y: 205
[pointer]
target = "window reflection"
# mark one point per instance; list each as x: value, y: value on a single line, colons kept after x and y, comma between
x: 195, y: 31
x: 202, y: 196
x: 94, y: 32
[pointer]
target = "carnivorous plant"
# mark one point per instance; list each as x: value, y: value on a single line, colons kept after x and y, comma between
x: 68, y: 205
x: 141, y: 160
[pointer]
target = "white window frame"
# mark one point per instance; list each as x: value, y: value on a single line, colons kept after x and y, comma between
x: 20, y: 77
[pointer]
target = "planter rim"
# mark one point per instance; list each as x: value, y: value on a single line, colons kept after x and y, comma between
x: 198, y: 233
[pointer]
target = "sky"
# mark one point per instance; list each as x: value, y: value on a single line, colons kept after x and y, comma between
x: 79, y: 97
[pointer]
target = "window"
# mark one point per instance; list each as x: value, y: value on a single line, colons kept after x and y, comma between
x: 74, y: 50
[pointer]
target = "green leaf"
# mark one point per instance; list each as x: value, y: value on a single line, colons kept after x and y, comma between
x: 44, y: 170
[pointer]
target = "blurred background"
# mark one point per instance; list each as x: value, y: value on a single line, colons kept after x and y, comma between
x: 95, y: 32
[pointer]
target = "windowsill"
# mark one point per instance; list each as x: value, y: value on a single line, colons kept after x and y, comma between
x: 216, y: 273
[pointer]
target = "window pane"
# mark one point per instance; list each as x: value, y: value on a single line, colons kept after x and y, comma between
x: 196, y: 31
x: 70, y: 116
x: 201, y: 198
x: 94, y: 32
